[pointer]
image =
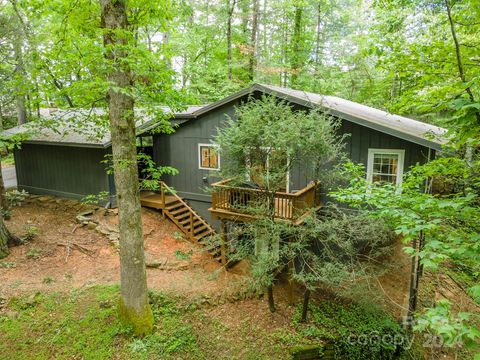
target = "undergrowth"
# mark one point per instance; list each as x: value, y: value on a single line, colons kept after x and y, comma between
x: 83, y: 324
x: 354, y: 331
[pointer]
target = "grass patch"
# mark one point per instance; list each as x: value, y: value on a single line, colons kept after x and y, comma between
x: 60, y: 326
x: 83, y: 324
x: 7, y: 265
x: 182, y: 255
x: 34, y: 253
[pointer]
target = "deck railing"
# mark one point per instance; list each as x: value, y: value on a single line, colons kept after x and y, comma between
x: 242, y: 200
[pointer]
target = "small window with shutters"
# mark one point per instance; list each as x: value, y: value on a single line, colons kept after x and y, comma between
x: 208, y: 157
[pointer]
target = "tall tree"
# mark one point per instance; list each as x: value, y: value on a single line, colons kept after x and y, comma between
x: 19, y: 75
x: 134, y: 306
x: 296, y: 57
x: 19, y: 65
x: 230, y: 9
x: 253, y: 40
x: 458, y: 55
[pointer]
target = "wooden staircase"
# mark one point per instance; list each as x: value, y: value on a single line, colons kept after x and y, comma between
x: 183, y: 216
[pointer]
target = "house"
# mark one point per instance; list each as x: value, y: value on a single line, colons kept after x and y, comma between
x: 376, y: 138
x: 70, y: 165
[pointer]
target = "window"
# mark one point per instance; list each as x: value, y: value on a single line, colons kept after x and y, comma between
x: 208, y: 157
x: 385, y: 165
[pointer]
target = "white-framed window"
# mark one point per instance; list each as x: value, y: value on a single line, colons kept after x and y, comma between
x: 208, y: 157
x: 385, y: 165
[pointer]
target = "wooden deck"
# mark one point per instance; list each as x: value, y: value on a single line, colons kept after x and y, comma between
x: 245, y: 204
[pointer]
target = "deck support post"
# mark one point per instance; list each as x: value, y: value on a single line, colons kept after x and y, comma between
x: 191, y: 227
x: 223, y: 245
x: 162, y: 194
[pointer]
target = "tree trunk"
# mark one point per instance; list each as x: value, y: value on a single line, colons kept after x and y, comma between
x: 412, y: 296
x: 296, y: 62
x: 317, y: 47
x: 6, y: 238
x: 19, y: 67
x: 253, y: 41
x: 19, y: 92
x: 207, y: 39
x: 245, y: 14
x: 3, y: 199
x: 230, y: 9
x: 284, y: 73
x: 134, y: 307
x: 264, y: 58
x: 1, y: 118
x: 306, y: 300
x: 271, y: 300
x: 461, y: 72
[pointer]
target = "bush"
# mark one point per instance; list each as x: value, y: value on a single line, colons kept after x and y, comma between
x: 339, y: 248
x: 15, y: 197
x: 354, y: 331
x: 350, y: 233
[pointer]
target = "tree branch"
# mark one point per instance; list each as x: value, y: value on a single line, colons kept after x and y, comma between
x: 461, y: 72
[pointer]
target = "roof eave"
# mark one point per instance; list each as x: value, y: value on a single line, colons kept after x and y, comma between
x: 224, y: 101
x: 357, y: 120
x: 387, y: 130
x: 60, y: 143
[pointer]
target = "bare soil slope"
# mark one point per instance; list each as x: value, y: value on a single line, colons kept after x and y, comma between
x: 64, y: 253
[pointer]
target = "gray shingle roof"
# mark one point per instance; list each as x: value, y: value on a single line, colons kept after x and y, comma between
x: 81, y: 127
x: 78, y: 129
x: 400, y: 126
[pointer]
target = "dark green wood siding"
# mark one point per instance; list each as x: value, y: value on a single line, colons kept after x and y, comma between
x: 180, y: 150
x: 359, y: 140
x: 65, y: 171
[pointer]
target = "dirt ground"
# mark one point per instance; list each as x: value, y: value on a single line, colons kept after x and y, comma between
x: 65, y: 254
x: 45, y: 263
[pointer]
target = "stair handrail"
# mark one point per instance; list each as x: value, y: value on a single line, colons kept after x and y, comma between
x: 164, y: 187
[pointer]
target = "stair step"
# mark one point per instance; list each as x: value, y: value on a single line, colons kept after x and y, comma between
x: 173, y: 206
x: 180, y: 211
x: 200, y: 236
x: 183, y: 216
x: 197, y: 222
x: 171, y: 199
x: 213, y: 248
x: 185, y: 222
x: 200, y: 230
